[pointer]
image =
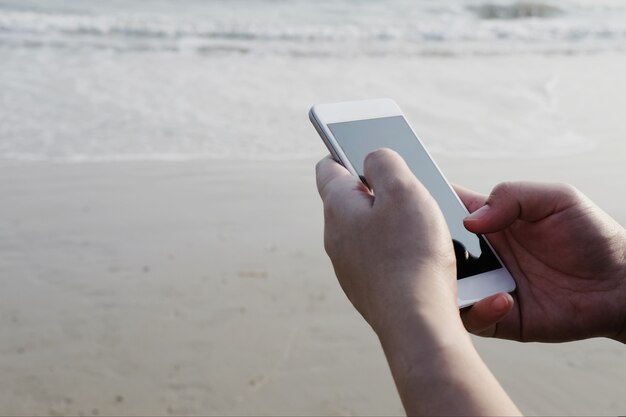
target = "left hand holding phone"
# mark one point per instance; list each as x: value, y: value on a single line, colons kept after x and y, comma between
x: 393, y: 256
x: 391, y: 249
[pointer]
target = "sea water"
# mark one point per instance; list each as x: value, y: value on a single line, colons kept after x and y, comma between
x: 90, y: 80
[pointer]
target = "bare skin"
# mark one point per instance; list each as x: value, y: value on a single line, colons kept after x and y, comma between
x: 393, y: 256
x: 396, y: 265
x: 568, y: 258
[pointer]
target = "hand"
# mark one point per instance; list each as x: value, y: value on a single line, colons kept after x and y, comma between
x: 393, y: 255
x: 391, y: 248
x: 567, y: 257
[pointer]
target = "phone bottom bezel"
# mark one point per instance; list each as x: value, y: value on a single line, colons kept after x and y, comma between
x: 473, y: 289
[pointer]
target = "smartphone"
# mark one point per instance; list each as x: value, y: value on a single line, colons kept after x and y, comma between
x: 353, y: 129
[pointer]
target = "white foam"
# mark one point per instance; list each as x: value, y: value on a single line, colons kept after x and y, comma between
x: 89, y: 81
x: 304, y: 26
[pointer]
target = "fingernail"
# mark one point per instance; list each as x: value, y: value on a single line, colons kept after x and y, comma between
x: 478, y: 214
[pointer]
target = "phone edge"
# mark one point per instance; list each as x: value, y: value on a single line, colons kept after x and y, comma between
x: 468, y: 281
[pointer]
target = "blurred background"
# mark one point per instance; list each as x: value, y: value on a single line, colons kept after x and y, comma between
x: 160, y: 231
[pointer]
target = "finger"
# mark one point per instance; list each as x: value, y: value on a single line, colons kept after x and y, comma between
x: 327, y: 170
x: 472, y: 200
x: 482, y: 318
x: 389, y: 176
x: 510, y: 201
x: 342, y: 193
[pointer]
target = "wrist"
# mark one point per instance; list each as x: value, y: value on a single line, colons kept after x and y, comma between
x: 416, y: 337
x: 432, y: 363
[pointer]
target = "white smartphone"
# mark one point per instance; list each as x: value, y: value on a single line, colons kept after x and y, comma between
x: 351, y: 130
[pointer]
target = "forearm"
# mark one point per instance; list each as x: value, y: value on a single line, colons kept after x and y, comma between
x: 439, y: 373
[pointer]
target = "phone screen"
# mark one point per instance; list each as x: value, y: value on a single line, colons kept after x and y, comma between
x: 358, y: 138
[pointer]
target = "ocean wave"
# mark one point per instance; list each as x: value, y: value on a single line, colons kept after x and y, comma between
x: 519, y: 10
x: 101, y: 85
x: 493, y: 27
x: 12, y: 158
x: 322, y: 52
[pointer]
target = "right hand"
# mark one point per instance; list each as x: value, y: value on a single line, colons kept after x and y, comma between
x: 568, y: 259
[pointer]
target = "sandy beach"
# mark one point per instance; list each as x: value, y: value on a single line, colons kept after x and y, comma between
x: 202, y: 288
x: 160, y: 231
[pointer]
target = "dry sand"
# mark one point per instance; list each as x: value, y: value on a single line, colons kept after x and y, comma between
x: 202, y: 288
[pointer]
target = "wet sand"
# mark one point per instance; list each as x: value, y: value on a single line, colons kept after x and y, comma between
x: 203, y: 288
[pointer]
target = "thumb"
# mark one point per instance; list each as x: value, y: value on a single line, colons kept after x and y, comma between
x: 511, y: 201
x: 389, y: 177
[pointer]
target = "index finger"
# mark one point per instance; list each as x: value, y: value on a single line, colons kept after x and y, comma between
x: 471, y: 199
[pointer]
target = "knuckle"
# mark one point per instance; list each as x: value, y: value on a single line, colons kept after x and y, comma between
x: 568, y: 190
x: 503, y: 192
x: 331, y: 235
x: 504, y: 189
x: 330, y: 211
x: 400, y: 186
x: 379, y: 155
x: 329, y: 244
x: 318, y: 166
